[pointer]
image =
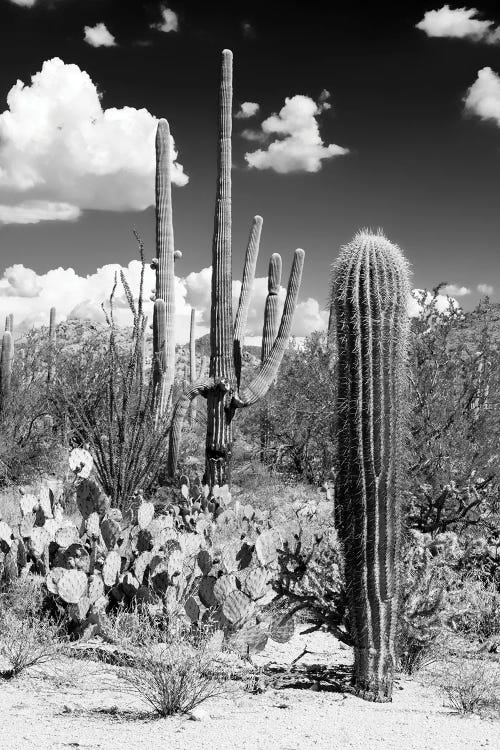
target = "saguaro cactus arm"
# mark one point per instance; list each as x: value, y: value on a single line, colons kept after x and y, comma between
x: 371, y: 291
x: 240, y: 321
x: 270, y: 327
x: 267, y: 373
x: 164, y: 266
x: 181, y: 408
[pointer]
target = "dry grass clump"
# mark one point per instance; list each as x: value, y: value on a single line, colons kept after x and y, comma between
x: 471, y: 687
x: 173, y: 670
x: 27, y: 636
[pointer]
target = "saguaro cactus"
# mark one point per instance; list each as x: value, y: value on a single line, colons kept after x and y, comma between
x: 163, y: 264
x: 370, y: 292
x: 6, y: 360
x: 269, y: 331
x: 9, y: 323
x: 222, y: 388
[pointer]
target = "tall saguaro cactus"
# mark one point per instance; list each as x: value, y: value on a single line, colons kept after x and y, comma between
x: 6, y: 359
x: 163, y: 264
x: 222, y: 388
x: 370, y: 293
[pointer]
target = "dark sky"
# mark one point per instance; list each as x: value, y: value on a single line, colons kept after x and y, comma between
x: 417, y: 166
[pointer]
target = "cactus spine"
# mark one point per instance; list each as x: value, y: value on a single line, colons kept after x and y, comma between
x: 6, y: 360
x: 370, y: 292
x: 269, y: 331
x: 222, y: 388
x: 163, y: 264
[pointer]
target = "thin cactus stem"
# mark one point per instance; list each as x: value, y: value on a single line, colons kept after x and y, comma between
x: 219, y: 411
x: 52, y: 344
x: 6, y: 360
x: 240, y: 322
x: 165, y: 281
x: 269, y: 332
x: 269, y: 369
x: 370, y: 291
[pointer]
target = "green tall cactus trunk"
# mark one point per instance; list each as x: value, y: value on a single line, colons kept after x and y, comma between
x: 269, y: 331
x: 222, y: 387
x: 164, y: 266
x: 6, y: 359
x: 370, y: 293
x: 52, y: 345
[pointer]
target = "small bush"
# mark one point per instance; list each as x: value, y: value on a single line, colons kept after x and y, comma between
x: 27, y: 636
x: 174, y: 670
x: 472, y: 687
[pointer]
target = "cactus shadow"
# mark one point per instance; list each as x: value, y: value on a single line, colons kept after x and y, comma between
x: 314, y: 677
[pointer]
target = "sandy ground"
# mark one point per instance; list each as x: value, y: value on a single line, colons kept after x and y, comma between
x: 76, y: 703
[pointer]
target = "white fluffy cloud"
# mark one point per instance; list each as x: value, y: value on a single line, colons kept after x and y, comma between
x: 483, y: 97
x: 24, y: 3
x: 460, y: 23
x: 294, y: 143
x: 99, y: 36
x: 247, y: 109
x: 61, y: 152
x: 485, y: 289
x: 29, y: 296
x: 32, y: 212
x: 169, y: 22
x: 453, y: 290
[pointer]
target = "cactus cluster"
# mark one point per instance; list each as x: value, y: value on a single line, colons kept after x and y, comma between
x: 370, y: 294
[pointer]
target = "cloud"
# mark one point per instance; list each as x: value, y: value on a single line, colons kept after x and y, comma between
x: 485, y: 289
x: 247, y: 109
x: 29, y: 296
x: 169, y: 22
x: 483, y: 97
x: 298, y: 146
x: 459, y: 23
x: 32, y: 212
x: 453, y: 290
x: 24, y: 3
x: 99, y: 36
x: 61, y: 152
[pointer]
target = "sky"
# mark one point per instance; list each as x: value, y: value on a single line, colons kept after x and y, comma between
x: 346, y: 115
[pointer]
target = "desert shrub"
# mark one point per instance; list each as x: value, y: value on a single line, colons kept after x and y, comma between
x: 453, y: 474
x: 28, y: 637
x: 113, y: 410
x: 300, y: 414
x: 176, y: 671
x: 471, y: 686
x: 475, y: 609
x: 424, y: 576
x: 29, y: 443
